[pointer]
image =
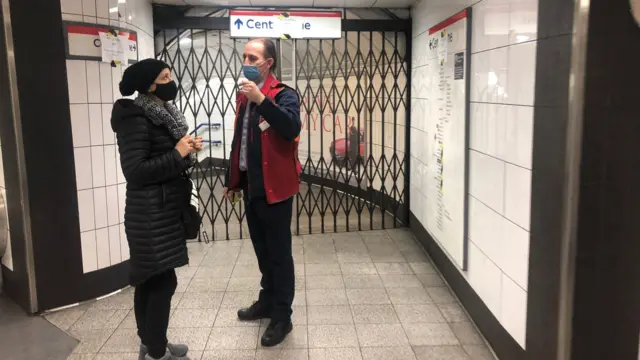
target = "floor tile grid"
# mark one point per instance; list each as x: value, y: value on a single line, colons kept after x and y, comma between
x: 474, y: 349
x: 249, y: 251
x: 427, y: 259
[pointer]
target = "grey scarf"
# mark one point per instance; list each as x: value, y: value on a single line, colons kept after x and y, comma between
x: 168, y: 116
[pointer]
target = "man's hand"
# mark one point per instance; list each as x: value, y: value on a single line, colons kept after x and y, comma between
x: 228, y: 194
x: 251, y: 91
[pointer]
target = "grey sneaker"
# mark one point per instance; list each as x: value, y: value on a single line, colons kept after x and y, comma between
x: 179, y: 351
x: 167, y: 356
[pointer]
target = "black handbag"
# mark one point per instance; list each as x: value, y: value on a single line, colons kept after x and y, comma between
x: 191, y: 218
x: 192, y: 222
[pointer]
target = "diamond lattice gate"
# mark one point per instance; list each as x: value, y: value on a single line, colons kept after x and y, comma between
x: 354, y: 101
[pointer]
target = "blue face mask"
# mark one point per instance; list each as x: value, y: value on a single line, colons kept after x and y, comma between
x: 251, y: 72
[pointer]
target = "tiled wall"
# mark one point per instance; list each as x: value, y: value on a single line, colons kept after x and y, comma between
x: 501, y: 123
x: 7, y: 259
x: 93, y: 87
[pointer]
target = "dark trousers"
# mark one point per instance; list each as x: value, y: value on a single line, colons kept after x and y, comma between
x: 152, y: 306
x: 270, y: 230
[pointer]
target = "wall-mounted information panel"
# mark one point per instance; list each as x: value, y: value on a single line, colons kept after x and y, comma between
x: 83, y: 41
x: 448, y: 134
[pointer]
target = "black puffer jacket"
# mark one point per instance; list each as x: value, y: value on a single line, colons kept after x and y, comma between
x: 157, y: 191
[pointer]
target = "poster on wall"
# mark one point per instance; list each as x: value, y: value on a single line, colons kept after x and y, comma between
x: 85, y: 41
x: 113, y: 47
x: 448, y: 134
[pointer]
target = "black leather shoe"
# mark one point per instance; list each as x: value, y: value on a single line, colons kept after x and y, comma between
x: 276, y: 332
x: 254, y: 312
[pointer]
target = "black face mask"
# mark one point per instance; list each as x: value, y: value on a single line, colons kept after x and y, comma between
x: 166, y: 92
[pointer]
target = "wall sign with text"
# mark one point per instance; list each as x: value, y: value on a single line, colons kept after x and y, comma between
x: 285, y: 24
x: 447, y: 127
x: 84, y: 42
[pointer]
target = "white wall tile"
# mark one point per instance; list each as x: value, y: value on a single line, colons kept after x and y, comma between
x: 71, y: 17
x: 111, y: 166
x: 102, y: 21
x: 89, y: 251
x: 106, y: 89
x: 489, y: 76
x: 512, y: 316
x: 488, y: 128
x: 97, y: 166
x: 485, y: 278
x: 113, y: 206
x: 122, y: 196
x: 77, y: 81
x: 490, y: 25
x: 102, y: 8
x: 124, y: 244
x: 80, y: 124
x: 121, y: 178
x: 95, y: 123
x: 85, y: 209
x: 114, y: 245
x: 84, y: 175
x: 103, y: 248
x: 116, y: 76
x: 486, y: 229
x: 513, y: 260
x: 486, y: 180
x: 517, y: 195
x: 419, y: 50
x: 93, y: 82
x: 522, y: 73
x: 100, y: 205
x: 519, y: 136
x: 71, y: 6
x: 89, y: 7
x: 523, y: 20
x: 107, y: 132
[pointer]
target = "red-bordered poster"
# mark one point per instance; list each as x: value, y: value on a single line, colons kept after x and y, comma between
x: 83, y: 41
x: 448, y: 134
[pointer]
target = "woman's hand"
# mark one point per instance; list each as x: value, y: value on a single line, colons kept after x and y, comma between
x: 197, y: 143
x: 186, y: 146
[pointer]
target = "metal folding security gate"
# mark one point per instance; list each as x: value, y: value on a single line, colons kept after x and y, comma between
x: 354, y: 107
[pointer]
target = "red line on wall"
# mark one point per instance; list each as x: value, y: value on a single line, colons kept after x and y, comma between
x: 92, y: 30
x: 450, y: 21
x: 317, y: 14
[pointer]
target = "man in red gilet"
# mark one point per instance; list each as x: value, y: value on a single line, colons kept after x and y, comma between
x: 264, y: 166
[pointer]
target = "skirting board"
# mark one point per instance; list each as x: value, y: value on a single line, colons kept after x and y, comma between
x: 505, y: 347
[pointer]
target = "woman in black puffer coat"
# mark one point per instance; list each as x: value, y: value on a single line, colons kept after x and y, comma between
x: 155, y: 152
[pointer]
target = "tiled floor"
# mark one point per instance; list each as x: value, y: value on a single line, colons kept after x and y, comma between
x: 360, y: 296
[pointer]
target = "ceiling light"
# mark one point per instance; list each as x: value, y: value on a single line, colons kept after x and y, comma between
x: 521, y: 38
x: 113, y: 10
x: 122, y: 1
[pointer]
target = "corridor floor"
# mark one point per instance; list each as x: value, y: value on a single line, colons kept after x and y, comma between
x: 360, y: 296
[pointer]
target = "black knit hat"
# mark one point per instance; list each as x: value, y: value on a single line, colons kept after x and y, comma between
x: 140, y: 76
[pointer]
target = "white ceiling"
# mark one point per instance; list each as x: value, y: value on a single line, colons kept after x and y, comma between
x: 294, y: 3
